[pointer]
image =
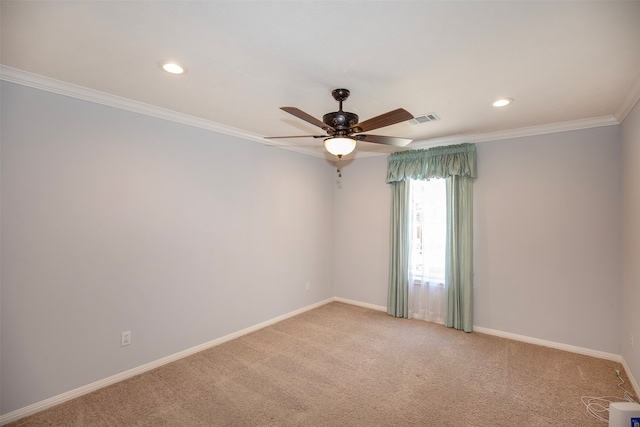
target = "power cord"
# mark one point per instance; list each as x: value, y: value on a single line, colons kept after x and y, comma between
x: 598, y: 407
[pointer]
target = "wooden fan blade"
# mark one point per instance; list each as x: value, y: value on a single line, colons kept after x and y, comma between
x: 296, y: 136
x: 306, y: 117
x: 386, y: 140
x: 386, y: 119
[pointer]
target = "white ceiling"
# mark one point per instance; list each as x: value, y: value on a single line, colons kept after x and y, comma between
x: 568, y: 65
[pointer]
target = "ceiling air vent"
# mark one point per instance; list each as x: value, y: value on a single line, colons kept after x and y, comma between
x: 424, y: 118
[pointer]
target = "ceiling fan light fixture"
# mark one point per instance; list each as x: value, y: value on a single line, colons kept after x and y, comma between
x: 340, y: 145
x: 502, y: 102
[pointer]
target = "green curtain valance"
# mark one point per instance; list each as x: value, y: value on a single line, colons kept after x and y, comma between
x: 437, y: 162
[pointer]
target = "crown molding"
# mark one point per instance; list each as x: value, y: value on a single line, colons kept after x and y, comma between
x: 519, y: 132
x: 632, y: 98
x: 36, y: 81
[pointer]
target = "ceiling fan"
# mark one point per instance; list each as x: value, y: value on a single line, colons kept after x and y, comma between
x: 343, y: 129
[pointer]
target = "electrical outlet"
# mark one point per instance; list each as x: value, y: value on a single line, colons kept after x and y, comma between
x: 125, y: 339
x: 308, y: 286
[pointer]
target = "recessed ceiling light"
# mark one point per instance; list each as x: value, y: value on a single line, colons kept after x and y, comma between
x: 173, y: 68
x: 502, y: 102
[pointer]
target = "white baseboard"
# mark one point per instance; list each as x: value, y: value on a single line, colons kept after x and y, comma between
x: 551, y: 344
x: 634, y: 383
x: 360, y: 304
x: 72, y: 394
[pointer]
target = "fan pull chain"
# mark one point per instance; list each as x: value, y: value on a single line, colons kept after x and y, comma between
x: 339, y: 171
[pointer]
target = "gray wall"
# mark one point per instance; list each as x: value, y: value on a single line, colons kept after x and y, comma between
x: 547, y: 236
x: 362, y: 214
x: 114, y: 221
x: 631, y: 240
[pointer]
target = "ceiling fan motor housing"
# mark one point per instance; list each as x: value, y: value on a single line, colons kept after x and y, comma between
x: 340, y: 120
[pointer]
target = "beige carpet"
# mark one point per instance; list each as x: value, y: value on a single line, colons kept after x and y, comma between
x: 341, y: 365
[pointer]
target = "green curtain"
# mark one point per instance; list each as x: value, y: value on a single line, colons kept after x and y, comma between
x: 457, y: 164
x: 398, y: 297
x: 437, y: 162
x: 458, y: 277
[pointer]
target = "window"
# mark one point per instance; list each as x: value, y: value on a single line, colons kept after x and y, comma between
x: 428, y: 228
x: 428, y: 236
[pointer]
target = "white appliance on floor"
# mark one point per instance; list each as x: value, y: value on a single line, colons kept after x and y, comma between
x: 624, y: 414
